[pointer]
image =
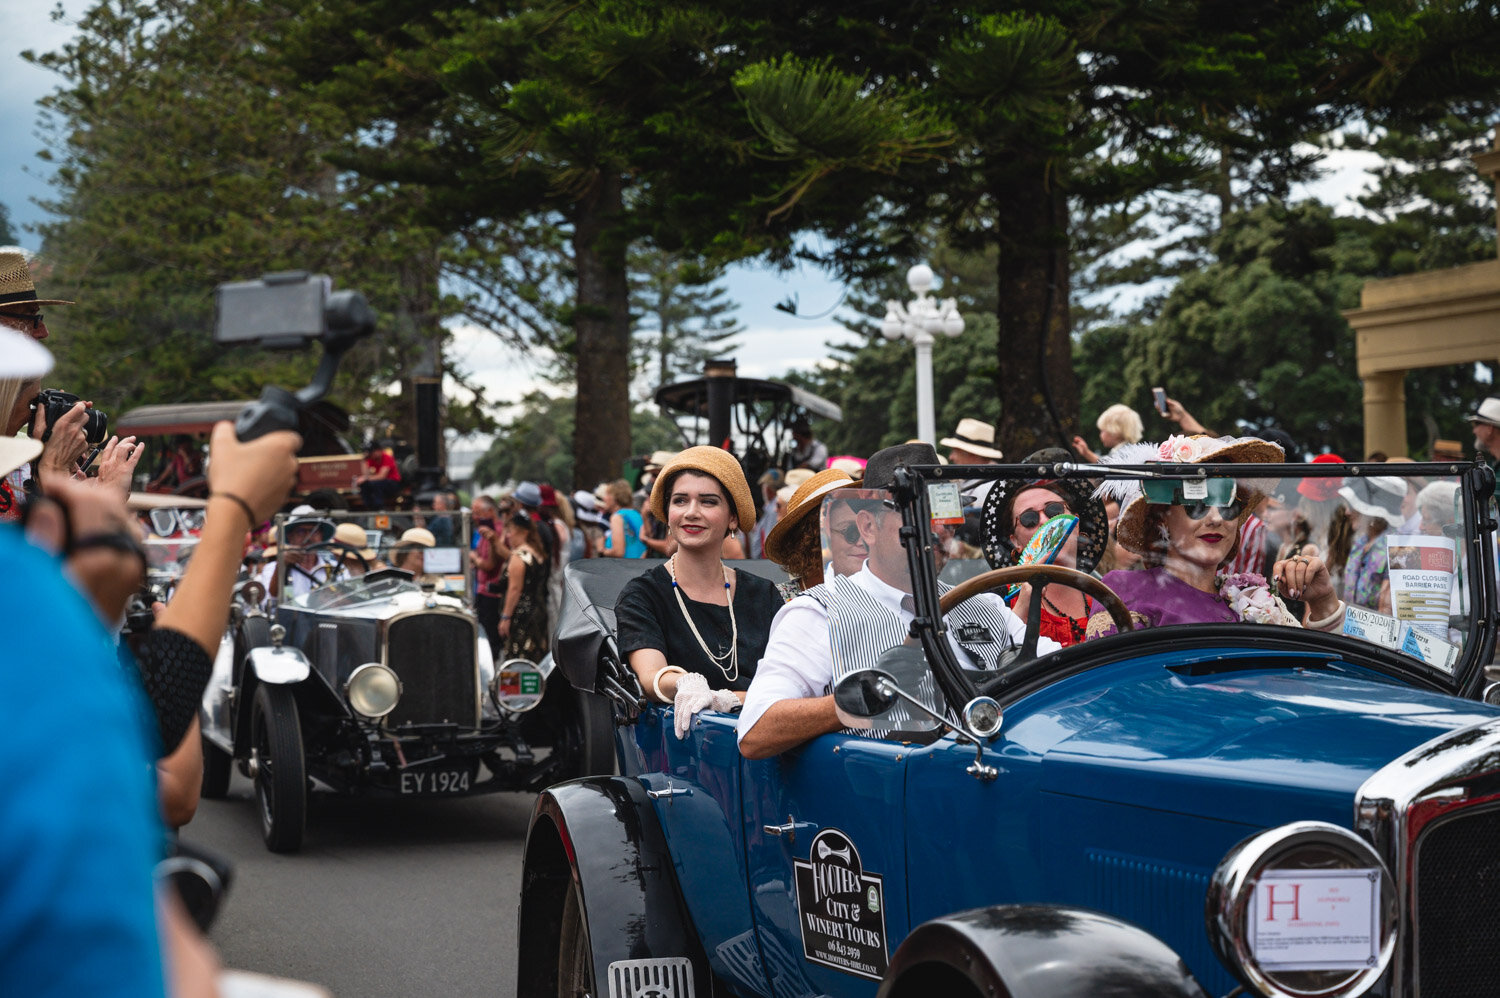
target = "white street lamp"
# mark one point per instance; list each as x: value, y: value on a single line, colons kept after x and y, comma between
x: 919, y: 321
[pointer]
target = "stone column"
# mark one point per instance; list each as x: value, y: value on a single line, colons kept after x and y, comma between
x: 1385, y: 414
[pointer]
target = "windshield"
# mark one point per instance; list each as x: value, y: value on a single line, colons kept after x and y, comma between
x: 352, y: 592
x: 331, y: 552
x: 1384, y: 555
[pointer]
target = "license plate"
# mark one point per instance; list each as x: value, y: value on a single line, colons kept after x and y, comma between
x: 436, y: 781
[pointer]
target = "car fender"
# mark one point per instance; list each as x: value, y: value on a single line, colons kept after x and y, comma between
x: 279, y: 666
x: 602, y: 834
x: 1031, y: 951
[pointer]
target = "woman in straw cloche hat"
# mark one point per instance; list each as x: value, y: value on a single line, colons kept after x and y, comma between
x: 693, y: 629
x: 1187, y: 531
x: 795, y: 543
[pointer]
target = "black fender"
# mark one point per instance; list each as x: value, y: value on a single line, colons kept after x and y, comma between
x: 315, y: 696
x: 1035, y: 951
x: 601, y: 834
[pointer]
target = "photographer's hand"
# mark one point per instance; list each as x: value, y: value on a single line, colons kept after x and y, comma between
x: 259, y: 474
x: 65, y: 448
x: 117, y: 464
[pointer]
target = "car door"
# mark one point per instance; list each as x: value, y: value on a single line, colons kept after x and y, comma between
x: 824, y: 831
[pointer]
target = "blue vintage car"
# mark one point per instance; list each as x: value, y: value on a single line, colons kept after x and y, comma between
x: 1170, y: 811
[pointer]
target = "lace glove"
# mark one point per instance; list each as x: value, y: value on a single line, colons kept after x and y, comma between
x: 694, y: 695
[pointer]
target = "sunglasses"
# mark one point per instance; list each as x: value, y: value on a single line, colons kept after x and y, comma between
x: 1198, y: 510
x: 34, y: 317
x: 1032, y: 517
x: 849, y: 533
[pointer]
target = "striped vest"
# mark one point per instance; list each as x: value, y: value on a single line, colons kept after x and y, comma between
x: 861, y: 628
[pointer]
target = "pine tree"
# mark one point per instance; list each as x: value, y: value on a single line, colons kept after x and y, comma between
x: 684, y: 318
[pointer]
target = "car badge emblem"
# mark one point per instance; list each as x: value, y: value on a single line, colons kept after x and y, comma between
x: 975, y: 634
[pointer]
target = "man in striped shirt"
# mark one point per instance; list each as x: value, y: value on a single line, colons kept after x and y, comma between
x: 790, y: 700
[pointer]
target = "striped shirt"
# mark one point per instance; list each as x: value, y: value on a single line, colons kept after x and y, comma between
x: 1251, y: 556
x: 864, y: 616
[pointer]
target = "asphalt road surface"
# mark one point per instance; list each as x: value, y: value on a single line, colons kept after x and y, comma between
x: 387, y: 897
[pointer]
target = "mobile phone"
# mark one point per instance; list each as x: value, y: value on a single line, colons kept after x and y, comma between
x: 1160, y: 397
x: 280, y: 311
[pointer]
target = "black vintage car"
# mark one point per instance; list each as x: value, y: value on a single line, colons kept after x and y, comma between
x: 382, y: 684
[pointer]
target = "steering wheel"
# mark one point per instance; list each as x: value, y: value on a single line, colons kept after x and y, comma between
x: 337, y: 570
x: 1040, y: 576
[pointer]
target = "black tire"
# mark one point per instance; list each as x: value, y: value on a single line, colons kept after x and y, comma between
x: 280, y: 771
x: 575, y: 957
x: 216, y: 767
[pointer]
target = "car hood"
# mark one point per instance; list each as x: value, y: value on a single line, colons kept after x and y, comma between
x: 1246, y: 745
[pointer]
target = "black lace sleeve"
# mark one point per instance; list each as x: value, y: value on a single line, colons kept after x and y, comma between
x: 175, y: 671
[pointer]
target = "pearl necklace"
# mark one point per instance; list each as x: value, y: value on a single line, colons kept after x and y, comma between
x: 733, y: 654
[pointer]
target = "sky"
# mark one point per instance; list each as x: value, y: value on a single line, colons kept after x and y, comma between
x: 774, y: 342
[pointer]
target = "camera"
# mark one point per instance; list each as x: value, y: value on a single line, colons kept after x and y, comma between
x: 57, y: 403
x: 289, y: 311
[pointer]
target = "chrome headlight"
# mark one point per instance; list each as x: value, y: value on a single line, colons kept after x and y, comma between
x: 373, y: 690
x: 518, y: 685
x: 1307, y: 909
x: 252, y: 593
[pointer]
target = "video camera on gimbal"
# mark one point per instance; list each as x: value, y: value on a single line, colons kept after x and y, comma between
x: 288, y: 311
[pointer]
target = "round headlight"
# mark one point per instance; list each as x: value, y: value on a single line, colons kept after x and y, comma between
x: 1304, y: 910
x: 252, y: 593
x: 518, y: 685
x: 373, y: 690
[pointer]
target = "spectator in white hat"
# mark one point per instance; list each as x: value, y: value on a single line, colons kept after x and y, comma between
x: 1487, y: 428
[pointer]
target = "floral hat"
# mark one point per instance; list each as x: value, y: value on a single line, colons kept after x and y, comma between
x: 1179, y: 449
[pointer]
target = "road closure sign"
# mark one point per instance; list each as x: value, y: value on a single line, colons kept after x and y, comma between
x: 1316, y: 919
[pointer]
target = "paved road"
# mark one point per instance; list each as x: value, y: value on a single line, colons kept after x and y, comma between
x: 386, y: 898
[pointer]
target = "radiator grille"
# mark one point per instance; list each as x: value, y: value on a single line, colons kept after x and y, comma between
x: 1458, y: 906
x: 433, y: 654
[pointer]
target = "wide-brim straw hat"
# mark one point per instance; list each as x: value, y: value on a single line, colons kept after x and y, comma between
x: 997, y: 522
x: 976, y: 437
x: 796, y: 477
x: 806, y: 500
x: 1378, y: 495
x: 1196, y: 449
x: 658, y: 460
x: 417, y: 537
x: 16, y: 451
x: 22, y: 357
x: 717, y: 464
x: 352, y: 537
x: 305, y: 514
x: 1489, y: 412
x: 17, y: 287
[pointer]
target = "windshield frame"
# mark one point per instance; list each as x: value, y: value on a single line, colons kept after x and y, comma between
x: 1476, y: 485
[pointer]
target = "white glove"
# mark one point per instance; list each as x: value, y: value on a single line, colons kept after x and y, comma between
x: 694, y: 695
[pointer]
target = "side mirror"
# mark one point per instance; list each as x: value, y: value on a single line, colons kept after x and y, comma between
x: 864, y: 694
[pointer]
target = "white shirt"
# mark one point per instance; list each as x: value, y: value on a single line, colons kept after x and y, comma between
x: 298, y: 581
x: 798, y: 662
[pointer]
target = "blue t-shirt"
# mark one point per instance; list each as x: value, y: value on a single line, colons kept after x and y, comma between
x: 634, y: 546
x: 79, y: 828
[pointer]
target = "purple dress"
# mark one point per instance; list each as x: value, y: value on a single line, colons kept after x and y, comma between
x: 1156, y: 598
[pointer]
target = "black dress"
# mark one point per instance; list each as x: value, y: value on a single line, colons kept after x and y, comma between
x: 528, y: 623
x: 649, y: 617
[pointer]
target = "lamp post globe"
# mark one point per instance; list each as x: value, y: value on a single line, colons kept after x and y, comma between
x: 919, y: 321
x: 919, y: 279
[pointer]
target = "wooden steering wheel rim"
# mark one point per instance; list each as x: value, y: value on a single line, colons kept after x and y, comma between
x: 1071, y: 577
